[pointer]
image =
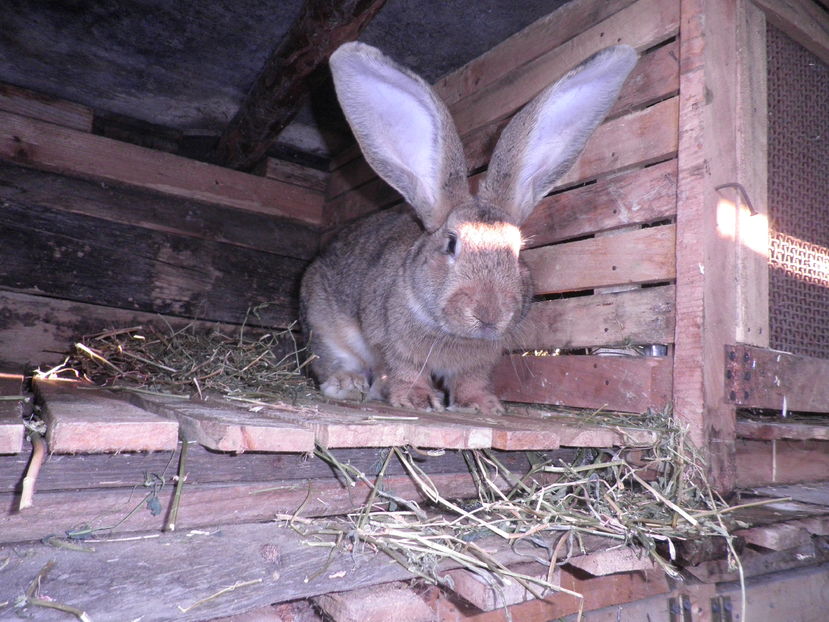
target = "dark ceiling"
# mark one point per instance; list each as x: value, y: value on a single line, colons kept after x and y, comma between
x: 185, y: 66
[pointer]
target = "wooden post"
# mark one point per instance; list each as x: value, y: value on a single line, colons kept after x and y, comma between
x: 721, y: 192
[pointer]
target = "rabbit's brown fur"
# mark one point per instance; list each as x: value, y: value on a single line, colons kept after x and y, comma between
x: 412, y: 301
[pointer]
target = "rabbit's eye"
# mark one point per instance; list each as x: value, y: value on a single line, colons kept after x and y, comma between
x: 451, y: 247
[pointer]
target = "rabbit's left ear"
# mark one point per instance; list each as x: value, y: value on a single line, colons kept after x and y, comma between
x: 543, y: 140
x: 404, y: 130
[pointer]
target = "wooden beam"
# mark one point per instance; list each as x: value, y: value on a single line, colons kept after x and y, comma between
x: 289, y: 75
x: 803, y: 21
x: 763, y: 378
x: 49, y: 147
x: 45, y: 108
x: 780, y: 461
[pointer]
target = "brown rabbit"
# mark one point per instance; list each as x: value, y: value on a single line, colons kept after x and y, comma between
x: 411, y: 302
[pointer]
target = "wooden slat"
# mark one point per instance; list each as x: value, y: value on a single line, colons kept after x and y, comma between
x: 87, y: 421
x: 763, y: 378
x: 641, y: 316
x: 642, y: 25
x: 640, y: 196
x: 49, y: 147
x: 225, y: 428
x: 640, y: 256
x: 816, y: 493
x: 11, y: 423
x: 803, y: 21
x: 45, y: 108
x: 629, y: 384
x: 488, y: 592
x: 393, y: 601
x: 541, y: 36
x: 776, y: 537
x: 611, y: 561
x: 158, y: 212
x: 780, y: 461
x: 754, y: 564
x: 767, y: 430
x: 90, y: 260
x: 292, y: 173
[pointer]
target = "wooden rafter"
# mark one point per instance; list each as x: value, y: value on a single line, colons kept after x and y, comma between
x: 289, y: 75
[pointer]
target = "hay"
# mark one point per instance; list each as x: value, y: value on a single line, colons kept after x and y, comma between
x: 193, y: 362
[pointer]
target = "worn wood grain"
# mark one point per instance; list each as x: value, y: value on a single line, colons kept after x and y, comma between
x: 86, y: 421
x: 85, y: 259
x: 45, y: 108
x: 640, y: 316
x: 53, y: 148
x: 604, y: 261
x: 803, y: 21
x: 642, y: 25
x: 628, y: 384
x: 393, y: 601
x: 763, y: 378
x: 780, y: 461
x: 767, y: 429
x: 488, y: 592
x: 290, y: 73
x: 293, y: 173
x: 611, y: 561
x: 157, y: 211
x: 11, y: 413
x: 637, y: 197
x: 40, y: 330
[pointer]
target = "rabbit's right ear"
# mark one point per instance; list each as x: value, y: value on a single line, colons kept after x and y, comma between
x: 404, y: 130
x: 543, y: 140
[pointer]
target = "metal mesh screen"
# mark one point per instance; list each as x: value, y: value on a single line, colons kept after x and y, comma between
x: 798, y: 164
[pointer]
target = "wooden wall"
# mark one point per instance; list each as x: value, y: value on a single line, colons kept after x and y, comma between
x: 99, y: 233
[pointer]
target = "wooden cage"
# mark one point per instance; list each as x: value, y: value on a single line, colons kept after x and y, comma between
x: 660, y: 263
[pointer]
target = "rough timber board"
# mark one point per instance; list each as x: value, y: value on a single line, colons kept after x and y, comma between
x: 767, y: 429
x: 780, y: 461
x: 39, y: 106
x: 11, y: 425
x: 86, y: 421
x: 225, y: 428
x: 762, y: 378
x: 50, y: 147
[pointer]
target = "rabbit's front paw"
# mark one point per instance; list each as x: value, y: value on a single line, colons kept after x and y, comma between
x: 485, y: 403
x: 345, y: 385
x: 403, y: 394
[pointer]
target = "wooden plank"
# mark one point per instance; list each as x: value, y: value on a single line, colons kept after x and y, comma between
x: 49, y: 147
x: 225, y: 428
x: 763, y: 378
x: 816, y: 493
x: 770, y: 462
x: 266, y: 563
x: 205, y: 505
x: 543, y: 35
x: 604, y: 261
x: 628, y: 384
x: 612, y: 561
x: 768, y: 429
x: 751, y: 221
x: 641, y: 316
x: 91, y: 471
x: 292, y: 173
x: 294, y: 68
x: 376, y: 604
x: 776, y: 537
x: 755, y: 564
x: 38, y: 330
x: 11, y: 413
x: 159, y: 212
x: 488, y: 592
x: 45, y: 108
x: 802, y: 20
x: 636, y: 197
x: 87, y: 421
x: 90, y: 260
x: 705, y: 259
x: 642, y: 25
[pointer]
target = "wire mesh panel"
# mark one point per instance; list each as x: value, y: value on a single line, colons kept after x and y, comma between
x: 798, y: 166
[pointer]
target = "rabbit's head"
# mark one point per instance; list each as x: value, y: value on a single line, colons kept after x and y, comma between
x: 464, y: 274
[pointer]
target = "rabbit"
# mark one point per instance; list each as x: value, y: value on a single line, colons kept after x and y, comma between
x: 415, y: 304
